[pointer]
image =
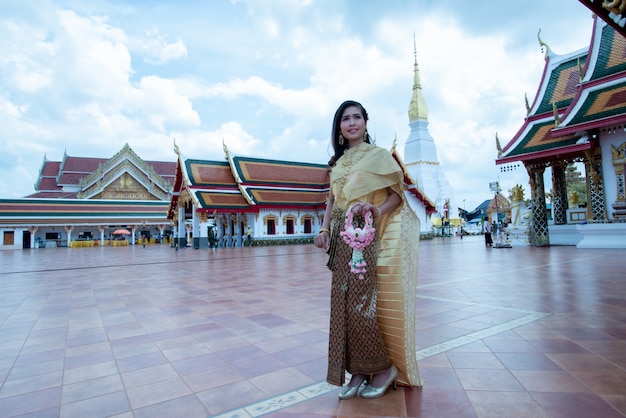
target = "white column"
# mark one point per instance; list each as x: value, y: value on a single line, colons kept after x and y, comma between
x: 181, y: 224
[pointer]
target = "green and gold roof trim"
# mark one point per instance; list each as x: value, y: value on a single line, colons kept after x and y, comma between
x: 610, y: 56
x: 562, y: 84
x: 599, y: 103
x: 538, y: 138
x: 583, y: 92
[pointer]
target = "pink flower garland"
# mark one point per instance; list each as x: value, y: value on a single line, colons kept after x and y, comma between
x: 358, y: 239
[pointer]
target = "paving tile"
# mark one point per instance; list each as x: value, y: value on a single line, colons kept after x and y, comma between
x: 91, y: 388
x: 154, y: 393
x: 557, y: 404
x: 281, y: 381
x: 527, y: 361
x: 186, y: 406
x: 495, y: 404
x: 475, y: 361
x: 31, y: 384
x: 488, y: 380
x: 549, y: 381
x: 438, y: 402
x: 31, y: 402
x: 99, y: 406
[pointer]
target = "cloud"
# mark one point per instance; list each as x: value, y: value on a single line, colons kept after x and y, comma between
x: 156, y: 49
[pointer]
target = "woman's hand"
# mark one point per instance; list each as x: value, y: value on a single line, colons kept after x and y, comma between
x: 322, y: 240
x: 361, y: 208
x: 389, y: 205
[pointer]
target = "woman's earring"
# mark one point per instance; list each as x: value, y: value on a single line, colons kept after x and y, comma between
x: 365, y: 136
x: 340, y: 139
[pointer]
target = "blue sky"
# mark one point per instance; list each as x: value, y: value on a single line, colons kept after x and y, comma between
x: 265, y: 77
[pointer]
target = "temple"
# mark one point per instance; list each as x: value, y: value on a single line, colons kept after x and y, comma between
x: 277, y: 199
x: 578, y: 116
x: 87, y: 202
x: 420, y: 155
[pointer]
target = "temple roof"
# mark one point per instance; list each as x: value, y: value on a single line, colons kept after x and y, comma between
x: 46, y: 211
x: 249, y: 184
x: 578, y: 92
x: 75, y: 177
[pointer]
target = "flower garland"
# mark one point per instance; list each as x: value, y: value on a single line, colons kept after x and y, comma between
x: 358, y: 239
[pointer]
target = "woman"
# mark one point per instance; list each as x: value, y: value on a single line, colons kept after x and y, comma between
x: 372, y: 319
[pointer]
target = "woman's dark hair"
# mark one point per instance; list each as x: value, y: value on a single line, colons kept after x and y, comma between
x: 334, y: 139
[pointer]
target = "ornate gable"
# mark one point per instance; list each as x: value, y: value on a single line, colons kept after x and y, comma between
x: 125, y: 176
x: 125, y: 187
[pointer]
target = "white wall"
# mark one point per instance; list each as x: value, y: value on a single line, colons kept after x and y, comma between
x: 18, y: 234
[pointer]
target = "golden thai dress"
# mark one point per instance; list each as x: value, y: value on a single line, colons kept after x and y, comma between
x: 372, y: 321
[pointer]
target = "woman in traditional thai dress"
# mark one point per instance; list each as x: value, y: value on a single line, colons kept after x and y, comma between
x: 372, y: 317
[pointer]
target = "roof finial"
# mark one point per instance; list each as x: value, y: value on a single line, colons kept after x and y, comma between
x: 557, y: 118
x: 526, y: 103
x: 546, y: 48
x: 581, y: 75
x: 499, y: 148
x: 225, y: 148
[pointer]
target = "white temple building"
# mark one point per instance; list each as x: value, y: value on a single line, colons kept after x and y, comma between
x: 420, y: 156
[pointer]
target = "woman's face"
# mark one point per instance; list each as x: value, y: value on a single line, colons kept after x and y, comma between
x: 353, y: 125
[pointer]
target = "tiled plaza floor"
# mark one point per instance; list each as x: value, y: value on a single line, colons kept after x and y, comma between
x: 241, y: 332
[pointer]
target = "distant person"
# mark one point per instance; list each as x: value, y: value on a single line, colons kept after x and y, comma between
x: 487, y: 230
x: 212, y: 240
x: 249, y: 234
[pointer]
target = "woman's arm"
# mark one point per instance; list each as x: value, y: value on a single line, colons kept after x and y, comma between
x: 389, y: 205
x: 322, y: 240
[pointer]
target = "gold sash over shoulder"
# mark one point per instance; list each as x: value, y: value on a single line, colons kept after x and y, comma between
x: 364, y: 173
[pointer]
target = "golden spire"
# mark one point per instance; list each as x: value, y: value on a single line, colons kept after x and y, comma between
x: 417, y: 108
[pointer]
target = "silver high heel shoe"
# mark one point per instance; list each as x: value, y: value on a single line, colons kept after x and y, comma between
x: 349, y: 392
x: 370, y: 392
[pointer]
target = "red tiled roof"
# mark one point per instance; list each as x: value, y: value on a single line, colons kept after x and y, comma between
x: 51, y: 168
x: 165, y: 169
x: 48, y: 184
x: 82, y: 164
x: 52, y: 195
x: 71, y: 178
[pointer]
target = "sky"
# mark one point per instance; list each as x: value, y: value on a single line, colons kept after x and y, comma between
x: 264, y: 77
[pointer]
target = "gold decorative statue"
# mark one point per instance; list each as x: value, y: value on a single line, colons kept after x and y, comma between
x: 517, y: 193
x: 573, y: 197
